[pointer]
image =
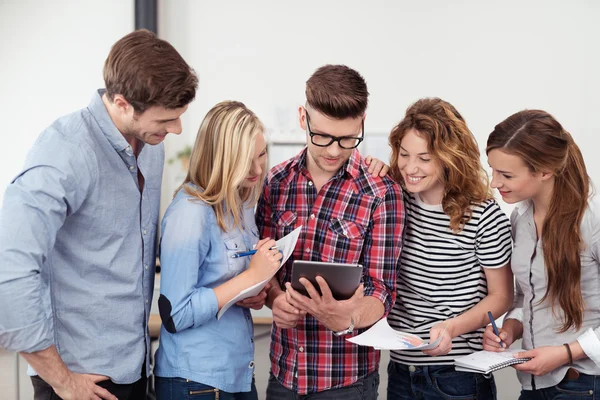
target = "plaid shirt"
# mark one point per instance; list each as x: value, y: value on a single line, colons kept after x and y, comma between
x: 355, y: 218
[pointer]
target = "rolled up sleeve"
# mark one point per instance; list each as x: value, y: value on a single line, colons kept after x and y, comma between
x: 184, y: 246
x: 36, y: 204
x: 382, y: 248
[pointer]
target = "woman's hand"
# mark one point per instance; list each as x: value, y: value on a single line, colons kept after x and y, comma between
x: 543, y: 359
x: 376, y: 166
x: 440, y: 329
x: 510, y: 332
x: 265, y: 262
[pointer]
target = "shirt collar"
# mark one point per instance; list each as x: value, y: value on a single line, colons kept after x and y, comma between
x: 351, y: 167
x: 523, y: 206
x: 100, y: 113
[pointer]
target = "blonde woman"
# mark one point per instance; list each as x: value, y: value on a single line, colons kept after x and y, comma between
x: 210, y: 219
x: 454, y: 263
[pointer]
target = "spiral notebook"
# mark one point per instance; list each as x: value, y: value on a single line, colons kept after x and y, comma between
x: 485, y: 362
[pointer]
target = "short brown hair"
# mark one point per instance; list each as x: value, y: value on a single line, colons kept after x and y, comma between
x: 148, y: 72
x: 338, y: 92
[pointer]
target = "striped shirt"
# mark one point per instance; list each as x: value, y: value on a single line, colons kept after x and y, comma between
x: 354, y: 218
x: 441, y: 273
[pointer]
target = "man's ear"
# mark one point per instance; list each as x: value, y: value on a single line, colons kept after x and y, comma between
x: 302, y: 117
x: 121, y: 103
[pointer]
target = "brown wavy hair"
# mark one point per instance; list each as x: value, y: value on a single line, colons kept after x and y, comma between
x: 544, y: 145
x: 451, y: 144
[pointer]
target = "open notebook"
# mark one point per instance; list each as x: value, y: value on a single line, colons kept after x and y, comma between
x: 484, y: 362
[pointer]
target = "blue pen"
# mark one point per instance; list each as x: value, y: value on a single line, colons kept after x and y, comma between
x: 248, y: 253
x: 495, y: 328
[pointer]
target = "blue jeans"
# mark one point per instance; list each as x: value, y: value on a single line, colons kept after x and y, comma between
x: 363, y: 389
x: 437, y: 382
x: 582, y: 388
x: 183, y: 389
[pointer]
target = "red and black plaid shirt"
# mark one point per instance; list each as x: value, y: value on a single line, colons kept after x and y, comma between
x: 355, y: 218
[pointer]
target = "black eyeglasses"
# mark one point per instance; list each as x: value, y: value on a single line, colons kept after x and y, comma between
x: 345, y: 142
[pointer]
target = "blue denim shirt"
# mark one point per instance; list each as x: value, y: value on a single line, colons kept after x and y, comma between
x: 195, y: 257
x: 77, y: 247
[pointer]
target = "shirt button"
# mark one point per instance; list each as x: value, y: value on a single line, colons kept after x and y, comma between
x: 307, y: 250
x: 145, y: 232
x: 251, y: 340
x: 146, y: 267
x: 251, y: 365
x: 146, y: 301
x: 131, y: 167
x: 312, y: 216
x: 412, y: 368
x: 345, y: 233
x: 301, y: 349
x: 310, y: 183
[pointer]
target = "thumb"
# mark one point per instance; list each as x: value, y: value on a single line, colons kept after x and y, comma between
x: 525, y: 354
x: 97, y: 378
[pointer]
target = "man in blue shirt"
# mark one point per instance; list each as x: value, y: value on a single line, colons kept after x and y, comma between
x: 78, y: 229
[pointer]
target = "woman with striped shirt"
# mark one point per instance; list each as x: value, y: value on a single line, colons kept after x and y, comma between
x: 454, y: 266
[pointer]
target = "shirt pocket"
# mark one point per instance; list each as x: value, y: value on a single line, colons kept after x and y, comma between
x: 285, y: 221
x: 234, y: 244
x: 344, y: 241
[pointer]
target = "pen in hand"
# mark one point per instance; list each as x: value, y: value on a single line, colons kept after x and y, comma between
x: 248, y: 253
x: 494, y: 327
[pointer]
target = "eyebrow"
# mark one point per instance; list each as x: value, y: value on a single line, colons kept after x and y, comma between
x: 166, y: 120
x: 420, y: 154
x: 502, y: 172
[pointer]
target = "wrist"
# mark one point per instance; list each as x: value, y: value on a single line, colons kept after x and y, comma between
x: 347, y: 328
x: 272, y: 294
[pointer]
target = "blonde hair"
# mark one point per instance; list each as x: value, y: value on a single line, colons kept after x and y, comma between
x: 220, y: 161
x: 450, y: 143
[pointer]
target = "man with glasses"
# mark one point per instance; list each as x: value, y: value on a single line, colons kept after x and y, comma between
x: 347, y: 216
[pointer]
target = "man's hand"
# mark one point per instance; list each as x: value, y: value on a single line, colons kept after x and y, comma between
x: 285, y: 315
x: 257, y: 302
x: 83, y: 387
x: 334, y: 314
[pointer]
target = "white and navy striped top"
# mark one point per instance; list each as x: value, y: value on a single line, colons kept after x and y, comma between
x: 441, y: 273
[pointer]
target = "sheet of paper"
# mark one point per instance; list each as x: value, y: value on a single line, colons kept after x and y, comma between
x: 286, y: 245
x: 382, y: 336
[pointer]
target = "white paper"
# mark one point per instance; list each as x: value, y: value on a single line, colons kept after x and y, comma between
x: 382, y: 336
x: 286, y: 245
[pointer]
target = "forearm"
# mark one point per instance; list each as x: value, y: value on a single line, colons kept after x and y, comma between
x: 228, y: 290
x: 477, y: 316
x: 49, y: 366
x: 273, y: 292
x: 370, y: 311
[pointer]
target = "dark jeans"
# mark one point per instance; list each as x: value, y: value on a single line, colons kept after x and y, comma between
x: 582, y: 388
x: 363, y: 389
x: 132, y: 391
x: 183, y: 389
x: 437, y: 382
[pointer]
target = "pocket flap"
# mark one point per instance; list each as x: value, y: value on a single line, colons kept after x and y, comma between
x: 349, y: 229
x: 286, y: 218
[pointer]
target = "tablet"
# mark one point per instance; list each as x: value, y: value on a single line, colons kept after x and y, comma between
x: 343, y: 279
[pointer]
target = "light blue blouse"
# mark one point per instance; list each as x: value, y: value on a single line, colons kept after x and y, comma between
x: 195, y: 257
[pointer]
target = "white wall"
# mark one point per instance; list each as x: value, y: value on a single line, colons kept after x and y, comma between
x: 52, y: 57
x: 488, y: 59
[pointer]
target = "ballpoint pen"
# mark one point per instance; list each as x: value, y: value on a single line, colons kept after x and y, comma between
x: 249, y: 252
x: 494, y: 327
